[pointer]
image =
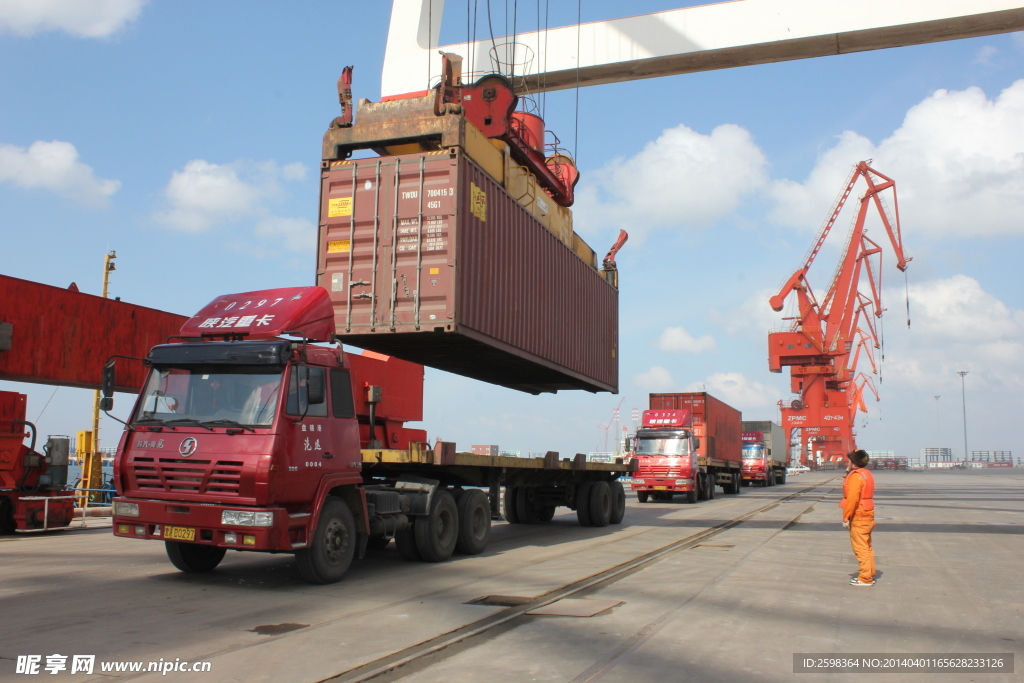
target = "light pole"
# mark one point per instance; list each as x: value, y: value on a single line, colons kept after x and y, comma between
x: 963, y: 398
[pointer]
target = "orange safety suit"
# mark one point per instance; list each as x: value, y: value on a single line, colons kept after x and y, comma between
x: 858, y: 506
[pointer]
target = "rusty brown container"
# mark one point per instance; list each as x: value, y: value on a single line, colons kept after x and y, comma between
x: 427, y: 258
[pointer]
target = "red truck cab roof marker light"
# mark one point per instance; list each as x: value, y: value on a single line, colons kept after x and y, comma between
x: 666, y: 418
x: 265, y: 314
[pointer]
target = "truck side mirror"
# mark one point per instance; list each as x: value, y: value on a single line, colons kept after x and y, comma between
x: 107, y: 403
x: 107, y: 382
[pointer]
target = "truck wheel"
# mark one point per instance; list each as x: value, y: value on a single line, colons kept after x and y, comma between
x: 192, y: 557
x: 600, y: 504
x: 511, y: 513
x: 438, y: 532
x: 544, y: 513
x: 525, y: 510
x: 474, y: 522
x: 782, y: 477
x: 736, y: 485
x: 7, y: 525
x: 583, y: 503
x: 642, y: 496
x: 769, y: 479
x: 330, y: 554
x: 711, y: 486
x: 691, y: 497
x: 405, y: 541
x: 702, y: 486
x: 618, y: 502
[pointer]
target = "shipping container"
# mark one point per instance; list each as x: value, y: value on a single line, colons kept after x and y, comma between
x: 428, y: 258
x: 715, y: 423
x: 491, y: 451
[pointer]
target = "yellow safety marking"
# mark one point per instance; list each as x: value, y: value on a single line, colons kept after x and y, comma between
x: 435, y: 271
x: 335, y: 246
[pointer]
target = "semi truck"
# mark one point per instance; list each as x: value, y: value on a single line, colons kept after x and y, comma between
x: 252, y: 432
x: 764, y: 453
x: 688, y: 443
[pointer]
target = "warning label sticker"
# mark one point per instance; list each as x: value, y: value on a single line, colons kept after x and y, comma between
x: 342, y: 206
x: 477, y: 202
x: 336, y: 246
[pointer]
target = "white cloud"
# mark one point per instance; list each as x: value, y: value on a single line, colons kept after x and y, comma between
x: 656, y: 379
x: 55, y: 166
x: 738, y: 391
x: 681, y: 179
x: 985, y: 54
x: 958, y: 162
x: 298, y: 234
x: 754, y: 318
x: 956, y: 325
x: 204, y: 195
x: 678, y: 340
x: 84, y: 19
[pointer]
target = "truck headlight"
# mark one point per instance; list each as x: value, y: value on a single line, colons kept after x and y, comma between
x: 122, y: 509
x: 246, y: 518
x: 683, y: 482
x: 638, y: 481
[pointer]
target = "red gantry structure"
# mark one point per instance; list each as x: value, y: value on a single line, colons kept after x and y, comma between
x: 824, y: 344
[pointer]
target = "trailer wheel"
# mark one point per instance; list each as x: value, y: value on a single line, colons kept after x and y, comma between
x: 192, y: 557
x: 618, y: 502
x: 330, y: 553
x: 711, y: 486
x: 438, y: 532
x: 7, y: 525
x: 600, y: 504
x: 782, y: 477
x: 583, y: 503
x: 405, y: 542
x: 526, y: 511
x: 474, y: 522
x: 511, y: 513
x: 544, y: 513
x: 642, y: 496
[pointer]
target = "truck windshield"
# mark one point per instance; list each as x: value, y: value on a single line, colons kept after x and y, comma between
x: 663, y: 446
x: 753, y: 452
x: 212, y: 395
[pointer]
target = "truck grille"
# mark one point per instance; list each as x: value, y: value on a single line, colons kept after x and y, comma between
x: 655, y: 471
x: 179, y: 475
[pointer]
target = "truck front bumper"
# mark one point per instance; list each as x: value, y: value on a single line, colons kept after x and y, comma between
x: 166, y: 521
x: 662, y: 484
x: 754, y: 476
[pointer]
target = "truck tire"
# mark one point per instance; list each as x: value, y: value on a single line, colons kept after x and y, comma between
x: 769, y: 479
x: 7, y: 525
x: 618, y: 502
x: 691, y: 497
x: 711, y: 486
x: 330, y: 553
x: 525, y: 510
x: 193, y: 557
x: 405, y: 542
x: 583, y: 502
x: 702, y: 486
x: 511, y: 514
x: 600, y: 504
x: 782, y: 477
x: 438, y: 532
x: 642, y: 496
x: 544, y: 513
x: 474, y: 522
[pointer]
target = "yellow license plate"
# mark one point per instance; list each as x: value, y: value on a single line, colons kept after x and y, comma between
x: 179, y: 533
x: 661, y: 488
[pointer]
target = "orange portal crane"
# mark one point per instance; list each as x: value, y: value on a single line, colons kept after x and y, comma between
x: 824, y: 344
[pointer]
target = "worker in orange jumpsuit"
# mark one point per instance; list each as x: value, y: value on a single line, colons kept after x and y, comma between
x: 858, y: 506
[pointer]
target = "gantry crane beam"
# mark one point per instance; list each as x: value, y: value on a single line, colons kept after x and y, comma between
x: 715, y: 36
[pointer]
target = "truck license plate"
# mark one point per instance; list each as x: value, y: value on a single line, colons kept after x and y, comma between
x: 179, y: 533
x: 661, y: 488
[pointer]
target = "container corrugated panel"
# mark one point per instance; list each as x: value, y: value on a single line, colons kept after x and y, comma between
x: 428, y: 259
x: 64, y: 337
x: 717, y: 424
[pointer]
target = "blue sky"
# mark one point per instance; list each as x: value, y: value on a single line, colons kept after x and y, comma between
x: 186, y: 136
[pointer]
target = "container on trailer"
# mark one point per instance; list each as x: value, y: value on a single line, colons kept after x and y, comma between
x: 772, y: 436
x: 715, y: 423
x: 427, y: 258
x: 489, y: 450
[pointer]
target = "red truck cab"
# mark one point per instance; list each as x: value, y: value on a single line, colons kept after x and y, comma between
x: 239, y: 434
x: 665, y: 455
